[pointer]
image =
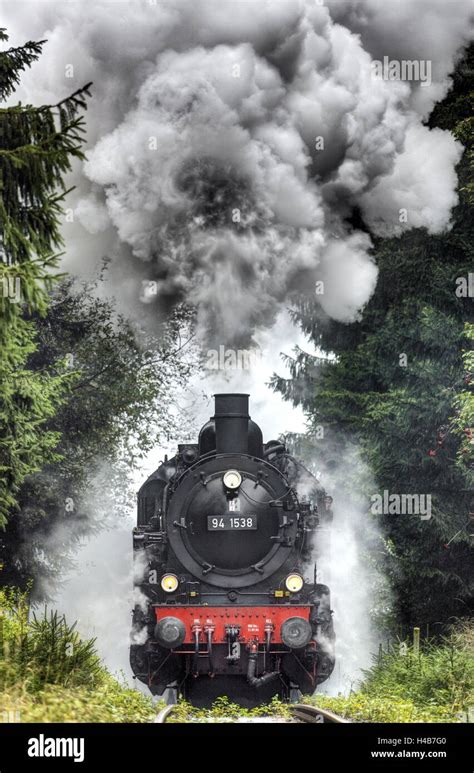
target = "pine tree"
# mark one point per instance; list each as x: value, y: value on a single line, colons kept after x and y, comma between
x: 37, y: 145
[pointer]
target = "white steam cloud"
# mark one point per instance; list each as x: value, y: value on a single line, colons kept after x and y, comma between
x: 360, y: 595
x: 230, y: 143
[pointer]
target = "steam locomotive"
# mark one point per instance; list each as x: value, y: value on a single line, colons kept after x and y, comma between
x: 227, y: 532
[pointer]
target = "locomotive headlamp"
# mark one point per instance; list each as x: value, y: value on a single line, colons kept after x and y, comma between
x: 294, y: 583
x: 169, y: 582
x: 232, y: 480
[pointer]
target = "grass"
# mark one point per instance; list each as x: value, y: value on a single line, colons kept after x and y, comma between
x: 435, y: 685
x: 49, y: 674
x: 108, y: 702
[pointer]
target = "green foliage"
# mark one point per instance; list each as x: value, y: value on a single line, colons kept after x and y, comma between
x: 120, y: 404
x: 28, y: 400
x: 464, y: 414
x: 435, y: 685
x: 37, y: 145
x: 49, y: 674
x: 458, y: 105
x: 42, y: 650
x: 13, y: 61
x: 360, y: 707
x: 224, y: 710
x: 124, y: 377
x: 413, y: 418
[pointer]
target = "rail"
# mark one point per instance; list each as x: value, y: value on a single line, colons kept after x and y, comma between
x: 301, y: 712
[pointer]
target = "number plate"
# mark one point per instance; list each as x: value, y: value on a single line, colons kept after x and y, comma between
x: 231, y: 522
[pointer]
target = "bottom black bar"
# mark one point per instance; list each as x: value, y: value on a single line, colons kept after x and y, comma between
x: 112, y: 747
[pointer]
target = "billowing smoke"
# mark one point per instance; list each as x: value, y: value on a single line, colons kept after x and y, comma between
x: 232, y: 142
x: 410, y: 30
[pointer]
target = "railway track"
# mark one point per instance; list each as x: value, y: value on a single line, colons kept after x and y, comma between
x: 301, y: 713
x: 163, y: 715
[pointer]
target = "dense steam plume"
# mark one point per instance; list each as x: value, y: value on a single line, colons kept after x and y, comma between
x: 233, y: 145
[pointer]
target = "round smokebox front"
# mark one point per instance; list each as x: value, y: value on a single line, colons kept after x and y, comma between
x: 228, y: 534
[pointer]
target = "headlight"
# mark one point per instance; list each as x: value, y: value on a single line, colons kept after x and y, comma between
x: 232, y: 479
x: 294, y: 583
x: 169, y: 582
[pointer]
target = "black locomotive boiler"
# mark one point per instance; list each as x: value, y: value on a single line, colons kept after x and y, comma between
x: 227, y: 534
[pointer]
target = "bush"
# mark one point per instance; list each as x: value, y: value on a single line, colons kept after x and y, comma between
x: 43, y: 650
x: 435, y: 685
x: 48, y: 674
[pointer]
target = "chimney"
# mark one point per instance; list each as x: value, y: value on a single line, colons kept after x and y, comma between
x: 232, y: 423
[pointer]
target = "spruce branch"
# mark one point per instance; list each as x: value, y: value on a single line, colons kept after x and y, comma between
x: 14, y: 60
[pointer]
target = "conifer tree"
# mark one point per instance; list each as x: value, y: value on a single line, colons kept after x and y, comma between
x: 37, y: 145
